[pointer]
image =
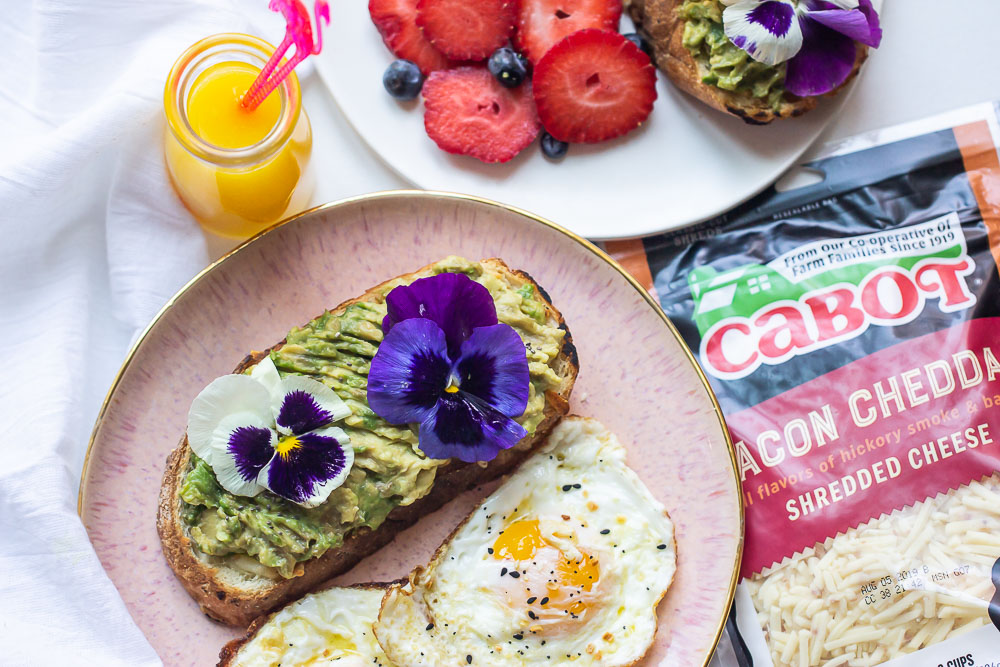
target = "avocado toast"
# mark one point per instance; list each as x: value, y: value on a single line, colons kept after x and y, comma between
x: 691, y: 48
x: 240, y: 557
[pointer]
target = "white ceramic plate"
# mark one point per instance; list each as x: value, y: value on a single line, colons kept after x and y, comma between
x: 687, y: 163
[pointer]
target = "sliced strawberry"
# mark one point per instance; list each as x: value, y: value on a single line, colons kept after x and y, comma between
x: 468, y: 112
x: 396, y: 21
x: 467, y: 29
x: 542, y: 23
x: 593, y: 85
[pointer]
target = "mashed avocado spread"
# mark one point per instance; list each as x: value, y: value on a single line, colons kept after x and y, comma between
x: 722, y: 63
x: 389, y: 469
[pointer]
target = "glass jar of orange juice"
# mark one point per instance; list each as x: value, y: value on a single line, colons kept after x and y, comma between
x: 237, y: 171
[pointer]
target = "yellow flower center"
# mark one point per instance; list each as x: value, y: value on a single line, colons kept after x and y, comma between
x: 451, y: 388
x: 286, y: 445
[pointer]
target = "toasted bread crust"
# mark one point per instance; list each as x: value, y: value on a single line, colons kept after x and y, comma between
x: 207, y: 582
x: 659, y: 21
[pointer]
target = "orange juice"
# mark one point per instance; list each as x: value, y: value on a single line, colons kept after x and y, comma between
x: 238, y: 171
x: 215, y: 113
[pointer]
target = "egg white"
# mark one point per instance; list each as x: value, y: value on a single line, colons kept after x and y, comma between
x: 467, y: 607
x: 332, y: 627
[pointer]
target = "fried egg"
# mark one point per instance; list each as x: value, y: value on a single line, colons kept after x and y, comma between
x: 332, y: 627
x: 565, y: 562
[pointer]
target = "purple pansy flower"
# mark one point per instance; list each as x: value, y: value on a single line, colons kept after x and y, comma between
x: 446, y: 364
x: 815, y: 37
x: 260, y: 431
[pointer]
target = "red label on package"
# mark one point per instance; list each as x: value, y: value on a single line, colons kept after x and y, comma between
x: 881, y: 433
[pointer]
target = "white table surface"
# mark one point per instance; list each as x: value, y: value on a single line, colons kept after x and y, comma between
x: 930, y: 61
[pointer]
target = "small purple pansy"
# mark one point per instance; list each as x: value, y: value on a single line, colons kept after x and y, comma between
x: 815, y: 37
x: 448, y: 365
x: 261, y: 431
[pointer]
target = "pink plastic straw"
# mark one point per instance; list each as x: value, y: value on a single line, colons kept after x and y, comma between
x: 299, y: 32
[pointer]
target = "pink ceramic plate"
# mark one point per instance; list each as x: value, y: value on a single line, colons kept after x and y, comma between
x: 636, y: 376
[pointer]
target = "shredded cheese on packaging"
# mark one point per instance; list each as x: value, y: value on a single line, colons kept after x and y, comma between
x: 890, y: 587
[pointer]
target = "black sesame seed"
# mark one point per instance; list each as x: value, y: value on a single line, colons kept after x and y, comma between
x: 468, y: 659
x: 515, y: 574
x: 545, y: 600
x: 567, y: 487
x: 519, y: 636
x: 430, y: 626
x: 531, y: 600
x: 605, y: 531
x: 661, y: 546
x: 489, y: 550
x: 503, y: 571
x: 576, y: 486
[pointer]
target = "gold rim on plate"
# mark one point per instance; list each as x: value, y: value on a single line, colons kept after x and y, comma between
x: 436, y: 195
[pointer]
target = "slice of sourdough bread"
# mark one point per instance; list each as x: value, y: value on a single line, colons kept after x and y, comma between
x: 663, y: 27
x: 235, y: 589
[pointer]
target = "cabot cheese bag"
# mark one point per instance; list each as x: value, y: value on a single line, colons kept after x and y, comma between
x: 851, y: 330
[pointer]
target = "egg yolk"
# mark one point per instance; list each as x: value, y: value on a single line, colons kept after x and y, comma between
x: 566, y: 579
x: 519, y: 541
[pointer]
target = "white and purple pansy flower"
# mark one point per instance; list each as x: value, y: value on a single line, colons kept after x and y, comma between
x: 448, y: 365
x: 261, y: 431
x: 815, y: 37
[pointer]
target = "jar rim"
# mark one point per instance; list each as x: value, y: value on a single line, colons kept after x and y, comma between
x: 175, y: 104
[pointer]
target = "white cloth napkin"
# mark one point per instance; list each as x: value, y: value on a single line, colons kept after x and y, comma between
x: 94, y: 241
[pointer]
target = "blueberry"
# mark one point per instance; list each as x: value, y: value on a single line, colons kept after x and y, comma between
x: 509, y: 67
x: 641, y: 42
x: 403, y: 80
x: 552, y: 147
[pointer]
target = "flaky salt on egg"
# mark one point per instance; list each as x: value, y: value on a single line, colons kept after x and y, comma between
x: 566, y: 561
